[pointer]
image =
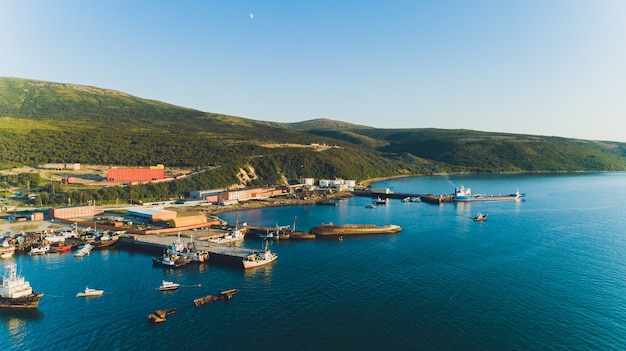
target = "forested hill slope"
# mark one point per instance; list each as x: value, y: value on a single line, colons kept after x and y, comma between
x: 56, y: 122
x: 476, y: 151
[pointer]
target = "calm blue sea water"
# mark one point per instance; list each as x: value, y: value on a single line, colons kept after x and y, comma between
x: 543, y: 274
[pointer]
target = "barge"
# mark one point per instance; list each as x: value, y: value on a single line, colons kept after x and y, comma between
x: 351, y: 229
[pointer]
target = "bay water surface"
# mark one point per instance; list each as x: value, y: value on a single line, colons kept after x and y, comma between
x: 546, y: 273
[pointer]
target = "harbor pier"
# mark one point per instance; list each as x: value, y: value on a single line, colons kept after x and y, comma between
x: 155, y: 244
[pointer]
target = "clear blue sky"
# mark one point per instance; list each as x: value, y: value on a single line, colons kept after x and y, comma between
x: 543, y: 67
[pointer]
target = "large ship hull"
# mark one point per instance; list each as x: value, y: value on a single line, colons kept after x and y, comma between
x: 30, y: 301
x: 477, y: 198
x: 351, y: 229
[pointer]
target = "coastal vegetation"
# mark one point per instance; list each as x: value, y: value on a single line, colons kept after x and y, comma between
x: 46, y: 122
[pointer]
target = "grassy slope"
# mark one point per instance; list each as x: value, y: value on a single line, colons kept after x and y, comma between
x: 54, y: 122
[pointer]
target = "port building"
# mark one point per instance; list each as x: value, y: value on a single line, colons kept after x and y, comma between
x: 73, y: 212
x: 188, y: 221
x: 123, y: 174
x: 153, y: 214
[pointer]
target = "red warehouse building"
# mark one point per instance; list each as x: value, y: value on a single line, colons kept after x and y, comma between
x: 115, y: 174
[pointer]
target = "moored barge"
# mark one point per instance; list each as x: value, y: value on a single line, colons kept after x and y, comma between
x: 351, y: 229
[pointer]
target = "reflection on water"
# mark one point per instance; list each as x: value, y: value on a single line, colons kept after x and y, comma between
x: 14, y: 321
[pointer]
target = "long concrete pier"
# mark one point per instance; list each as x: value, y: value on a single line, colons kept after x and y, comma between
x: 155, y: 244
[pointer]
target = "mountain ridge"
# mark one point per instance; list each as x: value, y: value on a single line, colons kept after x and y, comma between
x: 97, y: 125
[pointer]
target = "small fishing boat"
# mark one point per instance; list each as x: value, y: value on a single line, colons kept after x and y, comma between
x: 60, y: 249
x: 90, y: 293
x: 6, y: 250
x: 84, y: 250
x: 233, y: 236
x: 166, y: 286
x: 169, y: 260
x: 480, y: 217
x: 39, y: 250
x: 259, y: 258
x: 380, y: 201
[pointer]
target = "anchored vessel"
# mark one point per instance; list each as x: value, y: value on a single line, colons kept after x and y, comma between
x: 15, y: 291
x: 165, y: 286
x: 90, y: 292
x: 464, y: 194
x: 480, y: 217
x: 334, y: 229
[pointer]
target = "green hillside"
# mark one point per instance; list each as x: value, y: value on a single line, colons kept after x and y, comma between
x: 476, y: 151
x: 55, y: 122
x: 52, y: 122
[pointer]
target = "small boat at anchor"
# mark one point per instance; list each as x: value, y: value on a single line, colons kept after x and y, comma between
x: 90, y: 293
x: 464, y: 194
x: 167, y: 286
x: 480, y: 217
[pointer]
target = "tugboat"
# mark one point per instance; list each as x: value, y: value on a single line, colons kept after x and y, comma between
x: 15, y: 291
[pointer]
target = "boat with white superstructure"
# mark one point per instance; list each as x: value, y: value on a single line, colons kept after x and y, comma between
x: 15, y: 291
x: 464, y: 194
x: 6, y: 250
x: 84, y: 250
x: 39, y: 250
x: 259, y: 258
x: 233, y: 236
x: 166, y: 286
x: 89, y: 292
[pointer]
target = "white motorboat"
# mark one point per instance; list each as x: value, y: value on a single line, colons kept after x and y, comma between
x: 259, y: 258
x: 7, y: 250
x: 90, y: 292
x: 39, y: 250
x: 165, y: 286
x: 84, y: 250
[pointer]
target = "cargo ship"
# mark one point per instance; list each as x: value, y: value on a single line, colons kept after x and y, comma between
x: 15, y: 291
x: 333, y: 229
x: 463, y: 194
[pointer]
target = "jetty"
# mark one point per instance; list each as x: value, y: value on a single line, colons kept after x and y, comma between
x: 387, y: 195
x: 155, y: 244
x: 284, y: 232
